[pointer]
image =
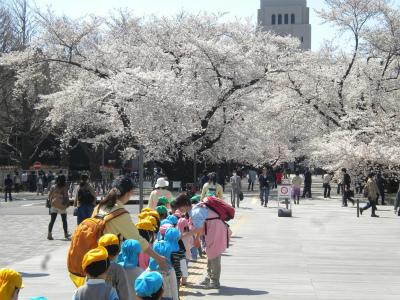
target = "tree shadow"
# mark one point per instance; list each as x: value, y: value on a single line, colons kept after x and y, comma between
x: 33, y: 275
x: 233, y: 291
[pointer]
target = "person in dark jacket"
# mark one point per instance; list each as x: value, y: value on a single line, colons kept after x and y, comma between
x: 346, y: 181
x: 380, y: 182
x: 263, y: 179
x: 8, y: 184
x: 307, y: 184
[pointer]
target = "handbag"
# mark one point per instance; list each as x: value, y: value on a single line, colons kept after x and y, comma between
x: 241, y: 197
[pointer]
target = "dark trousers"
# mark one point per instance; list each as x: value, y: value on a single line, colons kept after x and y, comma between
x: 251, y: 185
x: 7, y: 192
x: 84, y: 211
x: 382, y: 194
x: 327, y: 190
x: 53, y: 218
x: 307, y: 191
x: 371, y: 203
x: 347, y: 196
x: 339, y: 188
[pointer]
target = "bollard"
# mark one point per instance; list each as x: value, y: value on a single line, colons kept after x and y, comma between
x: 358, y: 208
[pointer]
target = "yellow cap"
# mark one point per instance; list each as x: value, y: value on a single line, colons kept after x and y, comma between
x: 143, y: 215
x: 152, y: 220
x: 97, y: 254
x: 154, y: 214
x: 9, y: 281
x: 108, y: 240
x: 147, y: 209
x: 145, y: 225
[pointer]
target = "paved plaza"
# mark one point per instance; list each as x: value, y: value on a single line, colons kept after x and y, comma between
x: 323, y: 252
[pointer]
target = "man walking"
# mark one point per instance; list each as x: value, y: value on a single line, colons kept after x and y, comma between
x: 327, y: 185
x: 346, y: 181
x: 236, y: 184
x: 252, y: 179
x: 296, y: 186
x: 8, y: 183
x: 380, y: 182
x: 264, y: 187
x: 371, y: 191
x: 307, y: 184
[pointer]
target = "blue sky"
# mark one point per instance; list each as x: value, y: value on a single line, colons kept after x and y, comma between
x: 235, y: 8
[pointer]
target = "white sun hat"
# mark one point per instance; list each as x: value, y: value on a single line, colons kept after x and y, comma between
x: 161, y: 182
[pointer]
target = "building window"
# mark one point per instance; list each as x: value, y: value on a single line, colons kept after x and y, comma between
x: 279, y: 19
x: 286, y: 18
x: 293, y: 19
x: 273, y: 20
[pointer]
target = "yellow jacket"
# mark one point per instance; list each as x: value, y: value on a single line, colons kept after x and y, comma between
x: 219, y: 192
x: 123, y: 226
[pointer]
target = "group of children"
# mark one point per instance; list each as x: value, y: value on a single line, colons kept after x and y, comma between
x: 119, y: 270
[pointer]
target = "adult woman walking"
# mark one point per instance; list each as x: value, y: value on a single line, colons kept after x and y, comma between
x: 159, y: 191
x: 212, y: 188
x: 206, y: 222
x: 122, y: 226
x: 85, y: 199
x: 59, y: 202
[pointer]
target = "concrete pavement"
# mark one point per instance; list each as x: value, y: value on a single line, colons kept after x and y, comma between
x: 323, y: 252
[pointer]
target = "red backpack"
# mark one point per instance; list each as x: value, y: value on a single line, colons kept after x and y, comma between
x: 220, y: 207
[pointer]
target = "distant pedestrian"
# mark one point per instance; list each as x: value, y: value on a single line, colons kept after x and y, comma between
x: 39, y: 184
x: 371, y: 191
x: 278, y: 176
x: 397, y: 203
x: 85, y: 199
x: 327, y: 185
x: 59, y: 202
x: 159, y: 191
x: 264, y: 182
x: 236, y: 184
x: 296, y: 187
x: 8, y: 185
x: 347, y: 193
x: 17, y: 182
x: 380, y: 182
x: 252, y: 179
x: 307, y: 184
x: 10, y: 284
x: 212, y: 188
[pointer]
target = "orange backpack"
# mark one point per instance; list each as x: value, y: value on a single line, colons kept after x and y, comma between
x: 86, y: 237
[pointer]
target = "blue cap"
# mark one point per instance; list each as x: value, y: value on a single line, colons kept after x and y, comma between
x: 129, y: 254
x: 173, y: 219
x: 165, y: 221
x: 148, y: 283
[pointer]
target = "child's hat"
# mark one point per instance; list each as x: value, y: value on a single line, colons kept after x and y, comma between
x: 195, y: 199
x: 148, y: 283
x: 154, y: 214
x: 152, y: 220
x: 162, y: 210
x: 145, y: 225
x: 166, y: 221
x: 164, y: 228
x: 143, y: 215
x: 146, y: 209
x: 129, y: 253
x: 172, y: 219
x: 95, y: 255
x: 108, y: 240
x: 163, y: 200
x: 9, y: 281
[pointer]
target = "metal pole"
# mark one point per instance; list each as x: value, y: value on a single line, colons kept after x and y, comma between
x: 103, y: 180
x: 141, y: 168
x: 358, y: 208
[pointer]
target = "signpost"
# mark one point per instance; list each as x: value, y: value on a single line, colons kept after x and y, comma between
x: 37, y: 165
x: 284, y: 193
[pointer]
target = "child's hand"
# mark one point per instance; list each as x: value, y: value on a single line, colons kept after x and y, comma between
x: 162, y: 262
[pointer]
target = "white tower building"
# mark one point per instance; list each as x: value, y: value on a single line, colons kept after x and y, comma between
x: 287, y: 17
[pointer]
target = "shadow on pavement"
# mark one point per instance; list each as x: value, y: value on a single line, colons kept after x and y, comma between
x: 233, y: 291
x: 34, y: 275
